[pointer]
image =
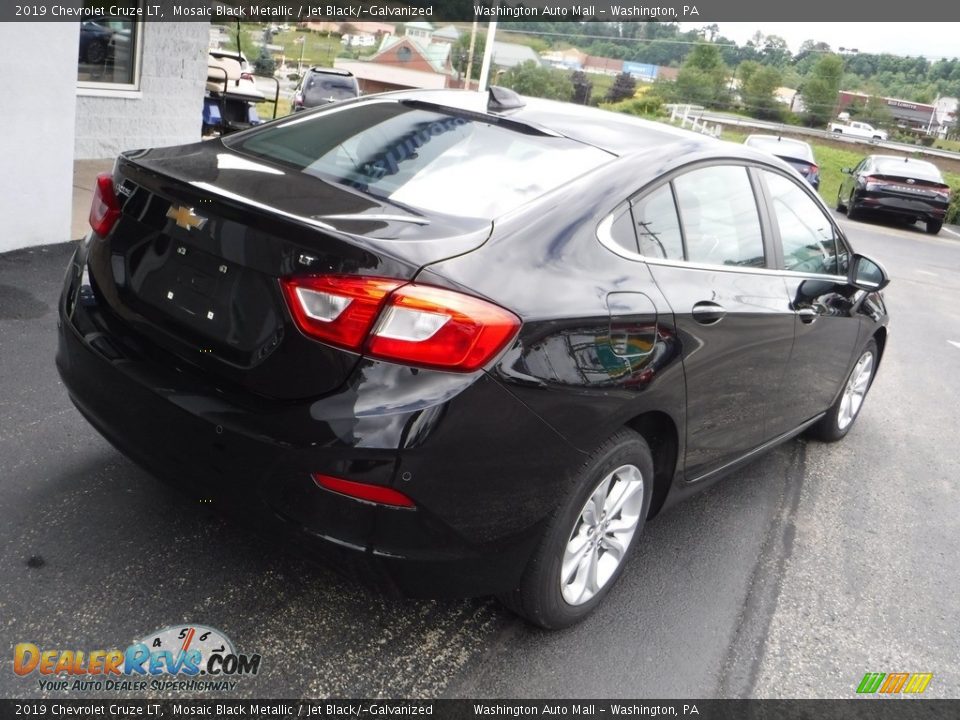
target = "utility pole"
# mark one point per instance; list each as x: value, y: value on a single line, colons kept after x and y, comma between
x: 473, y: 42
x: 487, y: 57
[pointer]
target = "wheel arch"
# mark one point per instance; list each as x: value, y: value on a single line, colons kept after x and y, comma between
x: 662, y: 436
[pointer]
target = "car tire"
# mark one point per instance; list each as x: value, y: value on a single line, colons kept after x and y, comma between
x: 852, y: 212
x: 840, y: 417
x: 96, y: 52
x: 840, y: 206
x: 934, y: 226
x: 580, y: 556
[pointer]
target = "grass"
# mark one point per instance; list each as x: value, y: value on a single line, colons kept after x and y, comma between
x: 318, y: 48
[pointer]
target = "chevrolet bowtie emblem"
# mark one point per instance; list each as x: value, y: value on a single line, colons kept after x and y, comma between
x: 185, y: 217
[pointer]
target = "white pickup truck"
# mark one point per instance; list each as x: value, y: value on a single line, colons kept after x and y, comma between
x: 858, y: 129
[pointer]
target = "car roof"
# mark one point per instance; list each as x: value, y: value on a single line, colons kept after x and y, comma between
x: 617, y: 133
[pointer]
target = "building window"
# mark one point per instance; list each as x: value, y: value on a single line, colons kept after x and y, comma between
x: 404, y: 54
x: 109, y: 53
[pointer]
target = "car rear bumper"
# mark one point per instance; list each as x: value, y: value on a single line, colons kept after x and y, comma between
x: 900, y: 206
x: 483, y: 470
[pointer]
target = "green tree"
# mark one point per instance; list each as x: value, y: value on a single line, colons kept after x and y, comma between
x: 703, y: 78
x: 538, y: 81
x: 820, y: 90
x: 759, y: 93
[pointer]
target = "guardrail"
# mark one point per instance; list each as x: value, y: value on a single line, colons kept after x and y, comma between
x: 700, y: 115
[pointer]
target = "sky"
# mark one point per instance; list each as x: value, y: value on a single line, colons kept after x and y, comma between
x: 932, y: 40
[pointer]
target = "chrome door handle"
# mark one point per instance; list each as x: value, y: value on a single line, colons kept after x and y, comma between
x: 708, y: 313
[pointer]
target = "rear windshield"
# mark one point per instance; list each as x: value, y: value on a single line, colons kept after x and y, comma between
x: 782, y: 147
x: 424, y: 158
x: 329, y: 86
x: 913, y: 169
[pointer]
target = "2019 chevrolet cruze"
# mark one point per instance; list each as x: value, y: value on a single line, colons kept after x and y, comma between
x: 464, y: 344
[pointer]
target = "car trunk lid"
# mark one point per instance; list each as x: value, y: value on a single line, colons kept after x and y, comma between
x: 194, y: 261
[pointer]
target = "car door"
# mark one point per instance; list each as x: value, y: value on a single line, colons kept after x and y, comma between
x: 811, y: 252
x: 731, y: 311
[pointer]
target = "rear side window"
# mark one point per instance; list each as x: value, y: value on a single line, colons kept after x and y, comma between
x: 425, y: 158
x: 720, y: 218
x: 658, y: 229
x: 809, y: 242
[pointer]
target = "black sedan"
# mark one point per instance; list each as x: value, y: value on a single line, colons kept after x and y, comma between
x: 461, y: 345
x: 796, y: 153
x: 895, y: 187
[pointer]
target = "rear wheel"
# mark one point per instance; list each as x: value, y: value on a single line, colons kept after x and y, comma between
x: 840, y: 417
x: 933, y: 226
x: 583, y: 551
x: 852, y: 212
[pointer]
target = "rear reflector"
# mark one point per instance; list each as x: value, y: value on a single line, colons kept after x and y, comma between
x: 362, y: 491
x: 105, y: 208
x: 410, y: 324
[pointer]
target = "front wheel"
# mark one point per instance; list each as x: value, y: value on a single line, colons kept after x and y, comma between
x: 839, y: 418
x: 583, y: 551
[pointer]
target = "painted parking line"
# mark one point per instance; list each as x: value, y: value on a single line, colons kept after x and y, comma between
x: 927, y: 272
x: 952, y: 232
x: 954, y: 343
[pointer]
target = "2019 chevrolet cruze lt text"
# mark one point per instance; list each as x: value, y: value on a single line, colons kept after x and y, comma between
x: 460, y: 344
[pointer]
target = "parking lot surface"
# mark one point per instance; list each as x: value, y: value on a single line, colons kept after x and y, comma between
x: 790, y: 578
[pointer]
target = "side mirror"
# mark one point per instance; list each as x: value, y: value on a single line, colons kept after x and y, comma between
x: 847, y: 171
x: 867, y: 274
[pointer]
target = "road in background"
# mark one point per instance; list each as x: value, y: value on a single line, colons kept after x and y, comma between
x: 792, y: 577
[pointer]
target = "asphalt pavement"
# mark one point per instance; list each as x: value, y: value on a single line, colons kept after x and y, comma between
x: 791, y: 578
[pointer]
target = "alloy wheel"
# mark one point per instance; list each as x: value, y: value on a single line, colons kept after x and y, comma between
x: 601, y: 534
x: 855, y: 390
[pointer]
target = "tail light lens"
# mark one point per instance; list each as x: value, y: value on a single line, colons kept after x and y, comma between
x: 337, y: 309
x: 814, y: 170
x: 105, y: 208
x: 298, y: 100
x: 943, y: 191
x: 411, y: 324
x: 247, y: 76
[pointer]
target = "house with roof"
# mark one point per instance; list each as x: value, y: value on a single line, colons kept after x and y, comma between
x: 921, y: 118
x: 507, y: 55
x: 447, y: 34
x: 411, y: 60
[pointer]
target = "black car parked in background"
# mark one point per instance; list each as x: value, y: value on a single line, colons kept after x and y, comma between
x: 321, y: 86
x: 895, y: 187
x: 459, y: 344
x: 796, y: 153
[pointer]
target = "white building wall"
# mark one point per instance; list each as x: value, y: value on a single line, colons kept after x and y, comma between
x: 36, y: 133
x: 166, y: 110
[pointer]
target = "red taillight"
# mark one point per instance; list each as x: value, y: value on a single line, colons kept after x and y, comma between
x: 105, y: 208
x: 362, y: 491
x: 430, y: 326
x: 410, y: 324
x: 247, y: 76
x: 813, y: 170
x: 943, y: 191
x: 337, y: 309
